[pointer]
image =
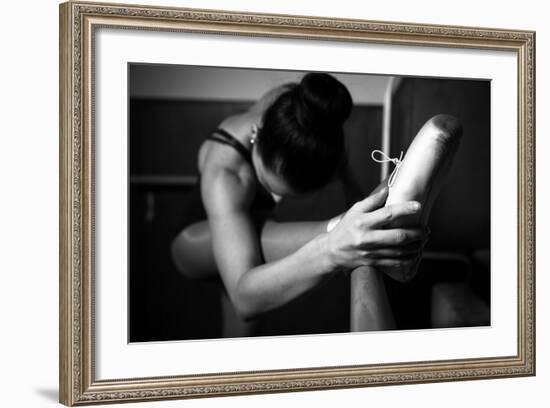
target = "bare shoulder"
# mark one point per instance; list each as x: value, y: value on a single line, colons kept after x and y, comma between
x: 226, y: 191
x: 215, y: 154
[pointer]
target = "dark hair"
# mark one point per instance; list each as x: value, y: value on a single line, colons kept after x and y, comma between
x: 302, y: 137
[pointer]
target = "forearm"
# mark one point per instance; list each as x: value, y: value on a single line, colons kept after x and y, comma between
x: 274, y: 284
x: 280, y: 239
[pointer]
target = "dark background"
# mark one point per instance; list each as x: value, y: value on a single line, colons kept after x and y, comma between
x: 452, y: 286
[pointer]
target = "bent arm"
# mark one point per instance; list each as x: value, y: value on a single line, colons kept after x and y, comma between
x: 193, y: 254
x: 252, y: 286
x: 281, y: 239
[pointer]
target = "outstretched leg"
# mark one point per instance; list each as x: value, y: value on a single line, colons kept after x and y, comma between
x: 420, y: 177
x: 194, y: 258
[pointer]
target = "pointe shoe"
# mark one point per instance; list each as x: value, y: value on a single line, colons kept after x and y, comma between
x: 424, y: 170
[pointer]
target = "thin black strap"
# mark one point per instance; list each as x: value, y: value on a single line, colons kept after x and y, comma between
x: 223, y: 136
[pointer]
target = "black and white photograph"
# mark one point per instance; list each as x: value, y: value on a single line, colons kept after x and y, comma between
x: 270, y: 202
x: 263, y: 203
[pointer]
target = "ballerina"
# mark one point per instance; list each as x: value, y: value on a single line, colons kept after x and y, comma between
x: 288, y: 143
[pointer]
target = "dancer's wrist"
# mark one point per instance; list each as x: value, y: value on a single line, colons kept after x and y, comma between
x: 333, y: 222
x: 324, y: 253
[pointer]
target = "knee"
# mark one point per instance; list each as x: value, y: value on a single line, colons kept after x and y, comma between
x: 177, y: 251
x: 183, y: 252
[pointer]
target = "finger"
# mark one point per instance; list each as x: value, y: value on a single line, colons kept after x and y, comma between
x: 394, y: 267
x: 408, y: 251
x: 396, y: 237
x: 375, y: 200
x: 386, y: 215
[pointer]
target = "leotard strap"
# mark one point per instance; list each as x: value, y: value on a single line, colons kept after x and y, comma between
x: 223, y: 136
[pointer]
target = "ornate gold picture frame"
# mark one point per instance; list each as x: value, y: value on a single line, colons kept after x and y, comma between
x: 79, y: 22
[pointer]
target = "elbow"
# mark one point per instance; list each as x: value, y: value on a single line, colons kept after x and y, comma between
x: 245, y: 312
x: 246, y: 303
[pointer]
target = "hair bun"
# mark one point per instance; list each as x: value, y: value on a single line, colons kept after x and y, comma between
x: 322, y: 101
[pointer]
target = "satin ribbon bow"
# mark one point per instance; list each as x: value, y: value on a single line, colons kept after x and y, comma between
x: 384, y: 158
